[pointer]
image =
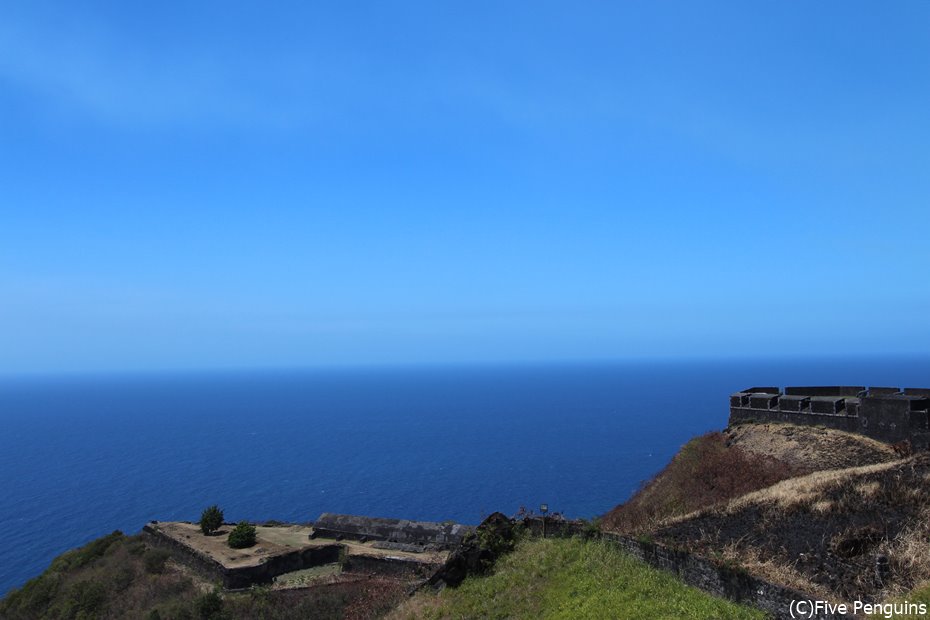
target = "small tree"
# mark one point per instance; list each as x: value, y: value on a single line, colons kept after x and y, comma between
x: 211, y: 519
x: 242, y: 536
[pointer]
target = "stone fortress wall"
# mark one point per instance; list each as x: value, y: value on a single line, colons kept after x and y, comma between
x: 888, y: 414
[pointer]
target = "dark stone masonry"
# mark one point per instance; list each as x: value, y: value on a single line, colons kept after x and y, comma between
x: 888, y: 414
x: 399, y: 532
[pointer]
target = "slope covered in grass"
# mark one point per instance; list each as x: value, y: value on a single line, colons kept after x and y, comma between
x: 121, y: 577
x: 571, y: 578
x: 720, y: 466
x: 706, y: 471
x: 824, y: 532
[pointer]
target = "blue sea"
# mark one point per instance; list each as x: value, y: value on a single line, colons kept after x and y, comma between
x: 81, y: 456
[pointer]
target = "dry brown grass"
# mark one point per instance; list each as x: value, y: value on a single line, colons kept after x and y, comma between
x: 807, y: 489
x: 828, y: 527
x: 718, y: 468
x: 909, y: 555
x: 809, y: 447
x: 706, y: 472
x: 770, y: 568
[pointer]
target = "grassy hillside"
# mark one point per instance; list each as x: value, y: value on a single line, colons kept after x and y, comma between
x: 721, y: 466
x: 822, y: 532
x: 705, y: 471
x: 121, y: 576
x: 570, y: 578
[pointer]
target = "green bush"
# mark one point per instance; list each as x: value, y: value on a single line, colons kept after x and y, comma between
x: 90, y: 552
x: 209, y: 606
x: 591, y: 529
x: 154, y: 561
x: 211, y: 519
x: 242, y: 536
x: 85, y: 599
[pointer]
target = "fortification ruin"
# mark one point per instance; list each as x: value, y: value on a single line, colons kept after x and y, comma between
x: 391, y: 533
x: 887, y: 414
x: 360, y: 545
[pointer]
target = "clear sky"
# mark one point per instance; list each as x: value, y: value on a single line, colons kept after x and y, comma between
x: 223, y: 184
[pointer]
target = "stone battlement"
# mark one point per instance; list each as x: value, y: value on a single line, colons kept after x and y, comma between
x: 887, y: 414
x: 424, y: 534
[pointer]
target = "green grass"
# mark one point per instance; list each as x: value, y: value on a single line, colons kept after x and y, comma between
x: 571, y: 578
x: 918, y: 595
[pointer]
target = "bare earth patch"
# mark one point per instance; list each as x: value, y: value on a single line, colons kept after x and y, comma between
x: 809, y: 447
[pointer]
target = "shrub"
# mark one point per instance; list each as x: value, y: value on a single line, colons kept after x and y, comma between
x: 90, y: 552
x: 123, y: 578
x: 209, y: 606
x: 211, y: 519
x: 242, y: 536
x: 591, y: 529
x: 85, y: 599
x: 154, y: 561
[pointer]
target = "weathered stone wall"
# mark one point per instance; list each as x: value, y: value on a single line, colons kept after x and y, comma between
x: 553, y: 527
x: 425, y: 533
x: 887, y: 414
x: 397, y: 566
x: 184, y: 554
x: 245, y: 576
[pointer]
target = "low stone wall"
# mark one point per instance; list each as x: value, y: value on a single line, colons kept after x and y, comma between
x: 403, y: 531
x: 553, y: 527
x: 390, y: 565
x: 245, y: 576
x: 184, y: 554
x: 719, y: 580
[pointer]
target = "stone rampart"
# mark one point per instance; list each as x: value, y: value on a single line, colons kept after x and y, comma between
x: 244, y: 576
x: 391, y: 565
x: 887, y: 414
x: 402, y: 531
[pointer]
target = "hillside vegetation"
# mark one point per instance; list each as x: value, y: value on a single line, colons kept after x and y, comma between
x: 571, y: 578
x: 120, y: 576
x: 823, y: 532
x: 720, y: 466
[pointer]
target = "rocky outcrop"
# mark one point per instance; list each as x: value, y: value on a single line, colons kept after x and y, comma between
x: 479, y: 550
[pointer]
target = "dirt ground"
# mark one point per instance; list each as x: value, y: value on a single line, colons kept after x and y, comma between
x: 809, y: 447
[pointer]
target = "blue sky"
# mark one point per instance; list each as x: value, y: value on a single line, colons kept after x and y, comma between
x: 237, y: 185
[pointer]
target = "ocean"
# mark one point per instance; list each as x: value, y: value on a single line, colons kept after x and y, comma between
x: 81, y: 456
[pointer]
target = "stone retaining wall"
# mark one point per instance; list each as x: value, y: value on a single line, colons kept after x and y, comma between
x: 390, y: 565
x: 246, y: 576
x: 891, y: 415
x: 402, y: 531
